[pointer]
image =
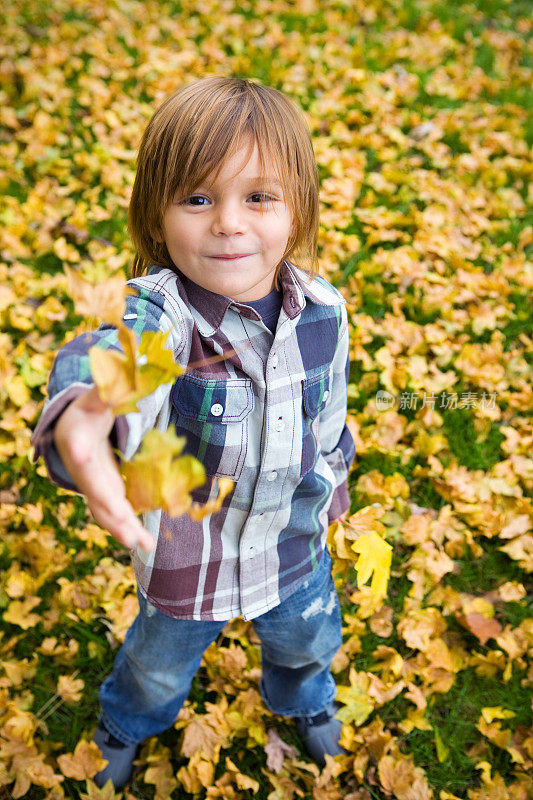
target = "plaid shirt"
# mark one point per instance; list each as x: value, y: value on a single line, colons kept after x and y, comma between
x: 271, y: 415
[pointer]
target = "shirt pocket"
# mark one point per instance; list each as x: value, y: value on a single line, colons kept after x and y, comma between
x: 213, y: 416
x: 316, y: 394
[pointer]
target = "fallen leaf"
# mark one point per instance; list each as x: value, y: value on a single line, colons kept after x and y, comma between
x: 85, y: 762
x: 482, y: 627
x: 375, y: 556
x: 104, y: 300
x: 276, y: 750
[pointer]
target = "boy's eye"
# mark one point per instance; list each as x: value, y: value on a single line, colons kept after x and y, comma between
x: 261, y: 197
x: 192, y: 200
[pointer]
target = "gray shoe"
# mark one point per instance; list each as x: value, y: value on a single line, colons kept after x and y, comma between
x: 119, y: 755
x: 321, y: 734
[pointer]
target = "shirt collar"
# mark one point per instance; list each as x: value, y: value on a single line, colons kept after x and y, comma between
x: 213, y: 307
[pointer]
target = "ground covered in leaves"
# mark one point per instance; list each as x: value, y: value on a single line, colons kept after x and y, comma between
x: 419, y: 112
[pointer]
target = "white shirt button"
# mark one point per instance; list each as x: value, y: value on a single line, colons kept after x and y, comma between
x: 216, y: 410
x: 279, y: 425
x: 325, y: 395
x: 251, y: 552
x: 272, y: 476
x: 274, y: 361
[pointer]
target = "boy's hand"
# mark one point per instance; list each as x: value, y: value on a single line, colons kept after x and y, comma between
x: 81, y: 436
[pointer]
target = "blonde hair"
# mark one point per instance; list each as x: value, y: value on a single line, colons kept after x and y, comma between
x: 192, y: 134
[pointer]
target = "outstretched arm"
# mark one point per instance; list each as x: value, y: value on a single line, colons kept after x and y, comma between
x: 81, y: 436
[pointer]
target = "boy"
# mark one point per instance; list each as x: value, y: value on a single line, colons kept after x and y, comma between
x: 226, y: 191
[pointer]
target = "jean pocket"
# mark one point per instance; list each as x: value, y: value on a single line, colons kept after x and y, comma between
x: 316, y: 393
x: 213, y: 416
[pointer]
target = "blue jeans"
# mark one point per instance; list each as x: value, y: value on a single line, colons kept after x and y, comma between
x: 154, y: 668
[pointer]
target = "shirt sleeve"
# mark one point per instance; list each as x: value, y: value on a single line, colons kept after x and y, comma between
x: 70, y: 377
x: 336, y: 440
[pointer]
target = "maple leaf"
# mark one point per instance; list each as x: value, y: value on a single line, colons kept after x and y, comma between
x: 124, y: 378
x: 380, y: 622
x: 197, y: 774
x: 158, y: 477
x: 114, y: 373
x: 85, y: 762
x: 199, y: 736
x: 70, y: 688
x: 242, y: 781
x: 358, y: 706
x: 482, y: 627
x: 276, y: 750
x: 375, y: 556
x: 400, y: 777
x: 161, y: 774
x: 106, y: 792
x: 105, y: 300
x: 18, y: 612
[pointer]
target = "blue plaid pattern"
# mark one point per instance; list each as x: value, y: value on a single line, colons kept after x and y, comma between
x: 267, y: 410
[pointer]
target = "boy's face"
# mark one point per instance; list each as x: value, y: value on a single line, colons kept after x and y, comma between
x: 223, y: 238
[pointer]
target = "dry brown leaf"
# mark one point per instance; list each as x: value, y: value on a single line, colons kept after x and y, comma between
x: 482, y: 627
x: 85, y: 762
x: 277, y: 750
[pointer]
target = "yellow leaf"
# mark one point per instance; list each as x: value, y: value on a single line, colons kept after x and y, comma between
x: 490, y: 713
x: 375, y: 556
x: 18, y: 612
x: 85, y: 762
x: 107, y: 792
x: 70, y: 688
x: 122, y: 379
x: 242, y: 781
x: 49, y: 312
x: 17, y: 391
x: 416, y: 718
x: 158, y: 477
x: 358, y: 706
x: 104, y: 300
x: 65, y: 251
x: 114, y: 373
x: 200, y: 736
x: 198, y: 512
x: 161, y: 774
x: 196, y: 774
x: 19, y: 671
x: 157, y: 365
x: 365, y: 520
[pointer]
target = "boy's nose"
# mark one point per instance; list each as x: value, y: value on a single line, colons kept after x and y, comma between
x: 229, y: 220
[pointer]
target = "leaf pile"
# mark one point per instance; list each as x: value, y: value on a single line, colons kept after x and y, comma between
x: 422, y: 130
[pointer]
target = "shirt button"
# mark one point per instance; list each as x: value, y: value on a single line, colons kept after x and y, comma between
x: 251, y: 552
x: 216, y: 410
x: 274, y: 361
x: 279, y: 425
x: 272, y: 476
x: 325, y: 395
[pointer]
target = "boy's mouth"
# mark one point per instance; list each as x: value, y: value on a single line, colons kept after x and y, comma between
x: 231, y: 256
